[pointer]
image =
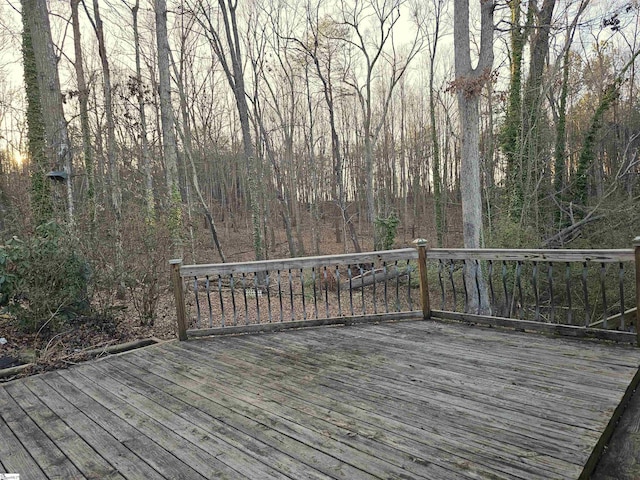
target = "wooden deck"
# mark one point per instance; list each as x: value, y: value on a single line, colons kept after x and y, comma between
x: 392, y: 401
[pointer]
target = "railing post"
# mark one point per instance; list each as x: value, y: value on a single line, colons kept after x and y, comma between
x: 178, y: 293
x: 421, y: 245
x: 636, y: 249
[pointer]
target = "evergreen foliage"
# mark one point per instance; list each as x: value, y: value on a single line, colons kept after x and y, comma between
x: 43, y: 280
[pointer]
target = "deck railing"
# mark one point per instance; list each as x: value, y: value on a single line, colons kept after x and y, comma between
x: 590, y: 293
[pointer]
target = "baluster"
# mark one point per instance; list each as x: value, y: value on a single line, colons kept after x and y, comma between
x: 195, y: 291
x: 440, y: 267
x: 493, y: 293
x: 534, y: 282
x: 233, y: 299
x: 338, y: 290
x: 315, y: 292
x: 453, y: 285
x: 350, y: 289
x: 209, y: 302
x: 304, y: 303
x: 386, y: 281
x: 280, y: 297
x: 255, y: 289
x: 222, y: 314
x: 409, y: 285
x: 508, y: 304
x: 585, y: 292
x: 397, y: 286
x: 476, y: 266
x: 552, y: 314
x: 464, y: 284
x: 519, y: 284
x: 291, y: 295
x: 621, y: 287
x: 244, y: 295
x: 373, y: 272
x: 364, y: 310
x: 326, y: 291
x: 268, y: 280
x: 567, y: 277
x: 603, y: 275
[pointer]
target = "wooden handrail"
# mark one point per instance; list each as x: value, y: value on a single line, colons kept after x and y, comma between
x: 533, y: 255
x: 546, y: 255
x: 297, y: 263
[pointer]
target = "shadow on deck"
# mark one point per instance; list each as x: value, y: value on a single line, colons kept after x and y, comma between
x: 395, y: 400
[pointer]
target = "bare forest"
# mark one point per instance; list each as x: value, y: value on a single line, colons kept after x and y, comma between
x: 133, y: 132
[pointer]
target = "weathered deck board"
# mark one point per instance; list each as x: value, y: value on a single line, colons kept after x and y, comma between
x: 398, y: 400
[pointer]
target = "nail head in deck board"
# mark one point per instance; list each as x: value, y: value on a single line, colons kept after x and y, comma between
x: 381, y: 383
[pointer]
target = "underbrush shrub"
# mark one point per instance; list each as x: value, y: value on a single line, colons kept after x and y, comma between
x: 146, y: 274
x: 386, y: 231
x: 44, y: 279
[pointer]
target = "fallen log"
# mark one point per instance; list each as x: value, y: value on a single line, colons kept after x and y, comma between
x: 369, y: 278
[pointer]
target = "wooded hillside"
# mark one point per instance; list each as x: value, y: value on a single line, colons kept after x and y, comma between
x: 133, y: 132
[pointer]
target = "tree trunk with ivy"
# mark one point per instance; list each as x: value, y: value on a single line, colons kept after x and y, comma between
x: 56, y: 145
x: 41, y: 204
x: 511, y: 133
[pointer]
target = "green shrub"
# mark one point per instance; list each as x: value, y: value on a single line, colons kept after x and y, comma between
x: 386, y: 230
x: 43, y: 281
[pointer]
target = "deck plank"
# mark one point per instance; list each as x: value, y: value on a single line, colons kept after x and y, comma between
x: 101, y: 440
x: 404, y: 400
x: 160, y: 459
x: 49, y: 457
x: 84, y: 458
x: 15, y: 458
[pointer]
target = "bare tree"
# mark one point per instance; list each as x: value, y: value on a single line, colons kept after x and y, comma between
x: 83, y: 98
x: 385, y: 15
x: 468, y: 84
x: 227, y: 48
x: 168, y: 128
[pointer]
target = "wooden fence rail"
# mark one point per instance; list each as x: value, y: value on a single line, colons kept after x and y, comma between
x: 570, y: 292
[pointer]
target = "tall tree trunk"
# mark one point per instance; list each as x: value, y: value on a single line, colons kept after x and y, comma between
x: 232, y: 64
x: 511, y: 135
x: 146, y: 157
x: 186, y: 137
x: 58, y: 146
x: 41, y: 204
x: 168, y: 129
x: 114, y: 173
x: 469, y: 83
x: 435, y: 144
x: 83, y: 98
x: 538, y: 177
